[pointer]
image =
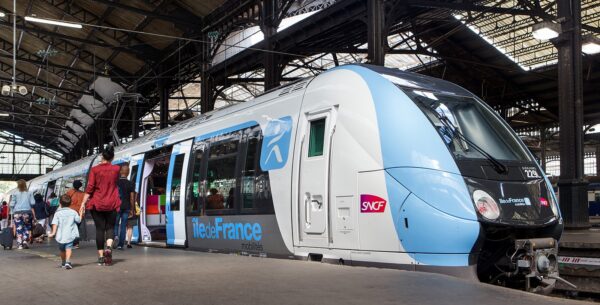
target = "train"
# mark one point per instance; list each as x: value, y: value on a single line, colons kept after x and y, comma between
x: 359, y: 165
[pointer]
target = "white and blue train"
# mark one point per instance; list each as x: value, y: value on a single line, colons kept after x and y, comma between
x: 360, y: 165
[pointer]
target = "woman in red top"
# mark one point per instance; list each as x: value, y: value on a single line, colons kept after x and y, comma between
x: 102, y: 199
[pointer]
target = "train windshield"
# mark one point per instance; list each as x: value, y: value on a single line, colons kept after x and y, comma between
x: 469, y: 129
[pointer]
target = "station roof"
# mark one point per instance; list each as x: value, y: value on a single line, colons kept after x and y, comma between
x: 73, y: 74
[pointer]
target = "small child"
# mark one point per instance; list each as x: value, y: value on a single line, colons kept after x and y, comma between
x: 64, y: 227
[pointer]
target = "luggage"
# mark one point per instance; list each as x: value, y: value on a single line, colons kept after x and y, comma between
x: 37, y: 231
x: 6, y: 238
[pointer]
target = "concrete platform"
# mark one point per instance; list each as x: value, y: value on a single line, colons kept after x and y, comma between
x: 579, y: 260
x: 171, y: 276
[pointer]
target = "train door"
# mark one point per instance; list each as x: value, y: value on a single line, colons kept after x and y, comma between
x: 153, y: 184
x: 313, y: 201
x: 176, y: 179
x: 136, y: 164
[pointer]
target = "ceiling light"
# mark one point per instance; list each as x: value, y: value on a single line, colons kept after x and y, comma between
x: 2, y: 14
x: 54, y: 22
x: 590, y: 45
x: 2, y: 114
x: 546, y: 30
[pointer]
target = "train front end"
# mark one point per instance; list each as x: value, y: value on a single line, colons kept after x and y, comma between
x: 468, y: 192
x: 516, y: 208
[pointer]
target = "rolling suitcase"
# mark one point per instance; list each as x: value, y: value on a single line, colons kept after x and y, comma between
x: 6, y: 238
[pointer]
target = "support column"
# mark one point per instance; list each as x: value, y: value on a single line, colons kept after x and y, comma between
x: 597, y: 160
x: 572, y: 186
x: 543, y: 139
x: 270, y: 60
x: 207, y: 102
x: 135, y: 124
x: 163, y: 93
x: 376, y: 32
x: 100, y: 132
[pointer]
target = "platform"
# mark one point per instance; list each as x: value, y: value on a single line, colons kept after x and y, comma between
x: 171, y: 276
x: 579, y: 259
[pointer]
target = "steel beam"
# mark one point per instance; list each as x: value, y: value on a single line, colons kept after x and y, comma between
x: 188, y: 22
x: 270, y: 60
x: 163, y: 91
x: 572, y: 185
x: 376, y: 33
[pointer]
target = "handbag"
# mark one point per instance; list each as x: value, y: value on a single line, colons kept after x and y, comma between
x: 138, y: 210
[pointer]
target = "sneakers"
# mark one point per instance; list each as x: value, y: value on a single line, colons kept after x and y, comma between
x: 68, y: 266
x: 100, y: 261
x: 120, y: 248
x: 107, y: 257
x: 25, y: 246
x: 20, y: 247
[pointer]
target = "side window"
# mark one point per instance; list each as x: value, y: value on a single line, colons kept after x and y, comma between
x: 134, y: 171
x: 221, y: 174
x: 256, y: 192
x: 196, y: 186
x: 176, y: 182
x: 248, y: 185
x: 317, y: 138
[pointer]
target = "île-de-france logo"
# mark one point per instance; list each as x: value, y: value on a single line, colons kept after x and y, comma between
x: 276, y: 143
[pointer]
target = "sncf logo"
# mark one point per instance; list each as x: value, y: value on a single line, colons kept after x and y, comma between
x: 372, y: 204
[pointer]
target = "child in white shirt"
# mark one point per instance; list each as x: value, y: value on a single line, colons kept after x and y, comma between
x: 64, y: 227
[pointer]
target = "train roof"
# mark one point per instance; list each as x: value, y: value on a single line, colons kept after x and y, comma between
x: 401, y: 78
x: 418, y: 81
x: 217, y: 113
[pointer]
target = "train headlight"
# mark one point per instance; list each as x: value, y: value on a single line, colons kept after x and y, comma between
x: 486, y: 205
x: 553, y: 204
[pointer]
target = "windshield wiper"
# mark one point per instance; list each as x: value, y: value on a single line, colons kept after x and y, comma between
x: 496, y: 164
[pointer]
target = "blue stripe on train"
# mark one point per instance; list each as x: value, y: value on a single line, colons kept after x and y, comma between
x: 434, y: 228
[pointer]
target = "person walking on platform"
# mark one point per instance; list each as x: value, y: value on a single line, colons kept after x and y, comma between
x: 127, y: 195
x: 3, y: 215
x: 102, y: 199
x: 64, y: 228
x: 41, y: 213
x: 22, y: 203
x: 76, y: 202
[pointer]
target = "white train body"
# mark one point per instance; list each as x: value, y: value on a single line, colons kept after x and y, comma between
x: 357, y: 172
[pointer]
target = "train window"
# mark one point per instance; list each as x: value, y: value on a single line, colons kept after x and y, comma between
x: 134, y: 171
x: 221, y: 174
x: 67, y: 184
x: 227, y: 178
x: 176, y: 182
x: 248, y: 174
x: 256, y: 192
x: 195, y: 187
x: 317, y: 138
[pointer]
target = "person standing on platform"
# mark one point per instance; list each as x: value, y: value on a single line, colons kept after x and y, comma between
x: 76, y: 202
x: 21, y: 203
x: 102, y: 199
x: 41, y: 213
x: 127, y: 195
x: 4, y: 215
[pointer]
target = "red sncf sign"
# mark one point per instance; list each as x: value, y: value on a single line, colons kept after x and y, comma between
x: 372, y: 204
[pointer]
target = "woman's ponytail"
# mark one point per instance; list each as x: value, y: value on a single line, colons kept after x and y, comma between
x: 108, y: 153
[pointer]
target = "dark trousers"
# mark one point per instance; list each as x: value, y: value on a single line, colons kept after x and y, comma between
x: 121, y: 226
x: 105, y: 225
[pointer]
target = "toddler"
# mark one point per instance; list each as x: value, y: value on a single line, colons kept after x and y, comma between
x: 64, y: 227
